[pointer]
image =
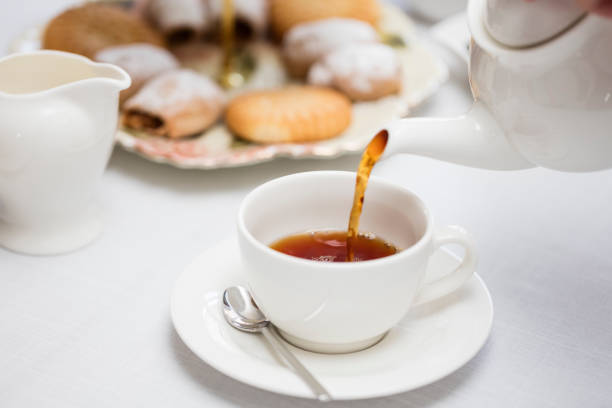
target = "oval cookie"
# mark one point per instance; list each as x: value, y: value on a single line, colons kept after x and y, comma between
x: 290, y: 115
x: 87, y: 29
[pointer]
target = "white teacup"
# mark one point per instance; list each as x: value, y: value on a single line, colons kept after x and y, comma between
x: 342, y: 307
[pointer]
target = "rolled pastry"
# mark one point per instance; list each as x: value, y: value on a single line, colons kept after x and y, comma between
x: 175, y: 104
x: 141, y: 61
x: 180, y: 20
x: 307, y: 42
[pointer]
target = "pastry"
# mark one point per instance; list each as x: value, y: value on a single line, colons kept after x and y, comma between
x: 360, y: 71
x: 175, y: 104
x: 285, y: 14
x: 203, y: 57
x: 89, y: 28
x: 293, y: 115
x: 251, y: 15
x: 307, y: 42
x: 180, y: 20
x: 141, y: 61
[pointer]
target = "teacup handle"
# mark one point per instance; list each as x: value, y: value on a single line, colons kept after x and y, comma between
x: 455, y: 279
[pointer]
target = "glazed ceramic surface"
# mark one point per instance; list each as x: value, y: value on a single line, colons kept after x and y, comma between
x: 527, y: 23
x: 58, y: 116
x: 548, y: 105
x: 553, y: 101
x: 340, y: 307
x: 432, y: 341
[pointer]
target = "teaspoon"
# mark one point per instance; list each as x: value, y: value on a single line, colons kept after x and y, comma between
x: 241, y: 312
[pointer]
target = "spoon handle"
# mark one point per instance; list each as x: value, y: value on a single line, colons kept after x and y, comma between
x: 275, y: 341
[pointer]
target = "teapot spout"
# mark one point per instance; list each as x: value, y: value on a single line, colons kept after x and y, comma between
x: 474, y: 139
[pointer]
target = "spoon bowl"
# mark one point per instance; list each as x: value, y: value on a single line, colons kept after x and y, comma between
x: 242, y: 313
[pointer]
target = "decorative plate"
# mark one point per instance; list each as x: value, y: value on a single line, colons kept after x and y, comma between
x: 423, y: 73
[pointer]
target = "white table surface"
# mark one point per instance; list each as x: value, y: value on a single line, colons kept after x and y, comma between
x: 92, y: 329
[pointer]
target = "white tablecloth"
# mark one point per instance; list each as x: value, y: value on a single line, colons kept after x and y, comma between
x: 92, y: 329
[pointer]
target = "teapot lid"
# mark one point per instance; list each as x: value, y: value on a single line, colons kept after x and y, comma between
x: 523, y: 23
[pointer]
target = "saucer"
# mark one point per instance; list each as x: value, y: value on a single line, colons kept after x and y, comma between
x: 431, y: 342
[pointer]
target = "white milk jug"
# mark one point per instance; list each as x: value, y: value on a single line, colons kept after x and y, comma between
x: 58, y: 117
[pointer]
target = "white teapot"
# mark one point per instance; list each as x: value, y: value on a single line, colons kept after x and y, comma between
x: 58, y: 118
x: 541, y: 76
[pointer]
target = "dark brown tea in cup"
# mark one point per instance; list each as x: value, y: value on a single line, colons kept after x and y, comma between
x: 350, y: 245
x: 331, y: 246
